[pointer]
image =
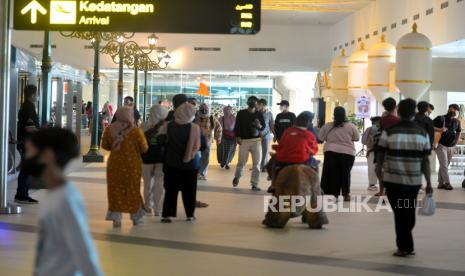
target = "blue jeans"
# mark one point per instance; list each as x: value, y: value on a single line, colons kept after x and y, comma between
x: 205, y: 160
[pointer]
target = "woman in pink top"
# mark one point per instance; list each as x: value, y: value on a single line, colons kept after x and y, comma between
x: 339, y: 149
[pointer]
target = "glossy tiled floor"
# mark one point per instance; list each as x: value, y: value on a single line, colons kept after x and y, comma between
x: 228, y: 238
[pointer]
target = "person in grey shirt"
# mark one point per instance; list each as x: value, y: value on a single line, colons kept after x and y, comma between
x: 266, y: 133
x: 65, y: 246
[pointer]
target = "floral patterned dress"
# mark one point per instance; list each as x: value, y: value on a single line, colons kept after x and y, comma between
x: 124, y: 171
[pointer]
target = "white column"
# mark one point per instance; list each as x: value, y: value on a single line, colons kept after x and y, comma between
x: 5, y: 53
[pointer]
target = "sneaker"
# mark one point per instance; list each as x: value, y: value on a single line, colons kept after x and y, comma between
x: 202, y: 177
x: 235, y: 181
x: 347, y: 198
x: 165, y: 220
x: 200, y: 204
x: 441, y: 186
x: 463, y: 184
x: 28, y: 200
x: 227, y: 167
x: 116, y: 224
x: 255, y: 188
x: 157, y: 214
x: 373, y: 188
x: 191, y: 219
x: 448, y: 187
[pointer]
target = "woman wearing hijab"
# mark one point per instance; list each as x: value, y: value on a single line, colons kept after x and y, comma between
x: 339, y: 150
x: 212, y: 130
x: 227, y: 148
x: 182, y: 162
x: 124, y: 169
x: 153, y: 159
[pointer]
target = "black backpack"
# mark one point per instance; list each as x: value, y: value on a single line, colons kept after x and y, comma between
x: 157, y: 146
x: 448, y: 137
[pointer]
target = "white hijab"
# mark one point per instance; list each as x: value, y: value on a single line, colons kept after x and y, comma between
x: 157, y: 114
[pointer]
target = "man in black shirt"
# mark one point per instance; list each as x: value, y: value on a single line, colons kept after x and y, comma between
x: 28, y: 122
x: 445, y: 150
x: 284, y: 120
x: 249, y: 123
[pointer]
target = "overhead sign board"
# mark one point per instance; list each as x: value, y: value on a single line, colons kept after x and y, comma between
x: 161, y: 16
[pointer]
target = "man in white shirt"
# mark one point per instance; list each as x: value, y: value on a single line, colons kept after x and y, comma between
x: 65, y: 246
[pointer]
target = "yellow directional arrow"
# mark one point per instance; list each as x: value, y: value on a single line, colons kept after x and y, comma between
x: 34, y: 7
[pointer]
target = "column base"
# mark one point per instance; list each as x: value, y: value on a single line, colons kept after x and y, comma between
x: 93, y: 156
x: 11, y: 209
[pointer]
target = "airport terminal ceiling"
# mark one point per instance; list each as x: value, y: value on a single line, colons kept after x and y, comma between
x: 293, y: 37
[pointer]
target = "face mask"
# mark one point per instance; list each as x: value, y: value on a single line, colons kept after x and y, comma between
x: 33, y: 167
x: 204, y: 111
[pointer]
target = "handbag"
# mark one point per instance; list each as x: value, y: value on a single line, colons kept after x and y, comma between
x: 428, y: 206
x: 157, y: 146
x: 228, y: 134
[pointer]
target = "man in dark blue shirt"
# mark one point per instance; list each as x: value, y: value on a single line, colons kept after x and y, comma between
x: 28, y: 122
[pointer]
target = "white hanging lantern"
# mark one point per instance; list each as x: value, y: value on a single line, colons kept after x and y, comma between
x: 381, y: 59
x: 358, y: 73
x: 340, y: 77
x: 414, y: 70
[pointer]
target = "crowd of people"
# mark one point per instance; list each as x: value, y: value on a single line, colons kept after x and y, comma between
x: 171, y: 152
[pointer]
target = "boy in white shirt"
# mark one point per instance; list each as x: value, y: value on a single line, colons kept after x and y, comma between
x: 65, y: 246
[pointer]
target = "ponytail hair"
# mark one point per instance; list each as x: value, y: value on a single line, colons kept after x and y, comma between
x: 339, y: 116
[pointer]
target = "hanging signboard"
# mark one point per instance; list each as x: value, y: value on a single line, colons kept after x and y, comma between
x: 362, y: 107
x: 160, y: 16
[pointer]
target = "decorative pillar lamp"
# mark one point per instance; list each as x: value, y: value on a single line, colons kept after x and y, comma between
x: 358, y: 73
x: 340, y: 77
x: 414, y: 71
x: 381, y: 60
x: 96, y: 38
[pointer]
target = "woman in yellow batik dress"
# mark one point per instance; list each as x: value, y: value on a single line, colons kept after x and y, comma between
x: 124, y: 168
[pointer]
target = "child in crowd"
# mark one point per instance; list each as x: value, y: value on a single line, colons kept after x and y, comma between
x: 297, y: 145
x: 65, y: 246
